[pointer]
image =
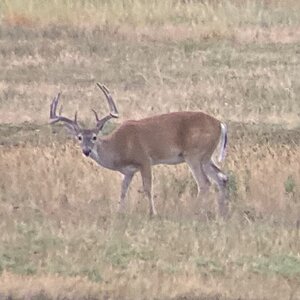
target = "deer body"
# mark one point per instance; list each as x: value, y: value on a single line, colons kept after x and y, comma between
x: 162, y: 139
x: 172, y: 138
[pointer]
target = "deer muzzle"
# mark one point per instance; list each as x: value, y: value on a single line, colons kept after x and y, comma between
x: 86, y: 152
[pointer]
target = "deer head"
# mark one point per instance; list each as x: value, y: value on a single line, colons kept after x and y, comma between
x: 86, y: 137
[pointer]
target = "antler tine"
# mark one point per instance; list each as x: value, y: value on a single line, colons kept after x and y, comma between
x: 54, y: 118
x: 96, y: 115
x: 101, y: 122
x: 112, y: 106
x: 53, y: 106
x: 75, y: 117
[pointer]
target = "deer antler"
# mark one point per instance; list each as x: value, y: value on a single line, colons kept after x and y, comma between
x: 112, y: 106
x: 71, y: 124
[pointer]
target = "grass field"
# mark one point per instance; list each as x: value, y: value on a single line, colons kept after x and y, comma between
x: 61, y: 237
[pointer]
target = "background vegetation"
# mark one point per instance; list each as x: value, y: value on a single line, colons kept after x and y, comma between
x: 60, y: 234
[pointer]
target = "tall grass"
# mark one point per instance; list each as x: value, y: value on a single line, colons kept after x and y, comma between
x: 60, y: 235
x: 60, y: 228
x: 222, y: 13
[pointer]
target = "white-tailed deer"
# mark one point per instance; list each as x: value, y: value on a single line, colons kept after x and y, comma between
x: 171, y: 138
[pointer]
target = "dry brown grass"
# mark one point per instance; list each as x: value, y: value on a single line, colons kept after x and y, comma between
x: 189, y: 285
x: 252, y: 83
x: 173, y: 20
x: 252, y: 164
x: 58, y: 213
x: 60, y: 235
x: 47, y: 287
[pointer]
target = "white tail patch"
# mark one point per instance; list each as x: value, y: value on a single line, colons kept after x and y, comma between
x: 223, y: 140
x: 222, y: 176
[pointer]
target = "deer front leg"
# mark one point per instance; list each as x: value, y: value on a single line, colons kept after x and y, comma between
x: 124, y: 188
x: 147, y: 184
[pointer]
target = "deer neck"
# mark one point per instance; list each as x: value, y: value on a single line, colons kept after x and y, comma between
x: 103, y: 153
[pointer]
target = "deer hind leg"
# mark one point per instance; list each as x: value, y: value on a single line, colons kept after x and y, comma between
x: 220, y: 179
x: 147, y: 184
x: 200, y: 177
x: 124, y: 188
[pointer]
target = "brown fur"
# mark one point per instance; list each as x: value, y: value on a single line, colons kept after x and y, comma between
x: 172, y: 138
x: 192, y: 133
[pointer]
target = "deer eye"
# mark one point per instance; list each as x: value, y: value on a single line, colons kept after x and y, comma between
x: 94, y: 138
x: 79, y: 137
